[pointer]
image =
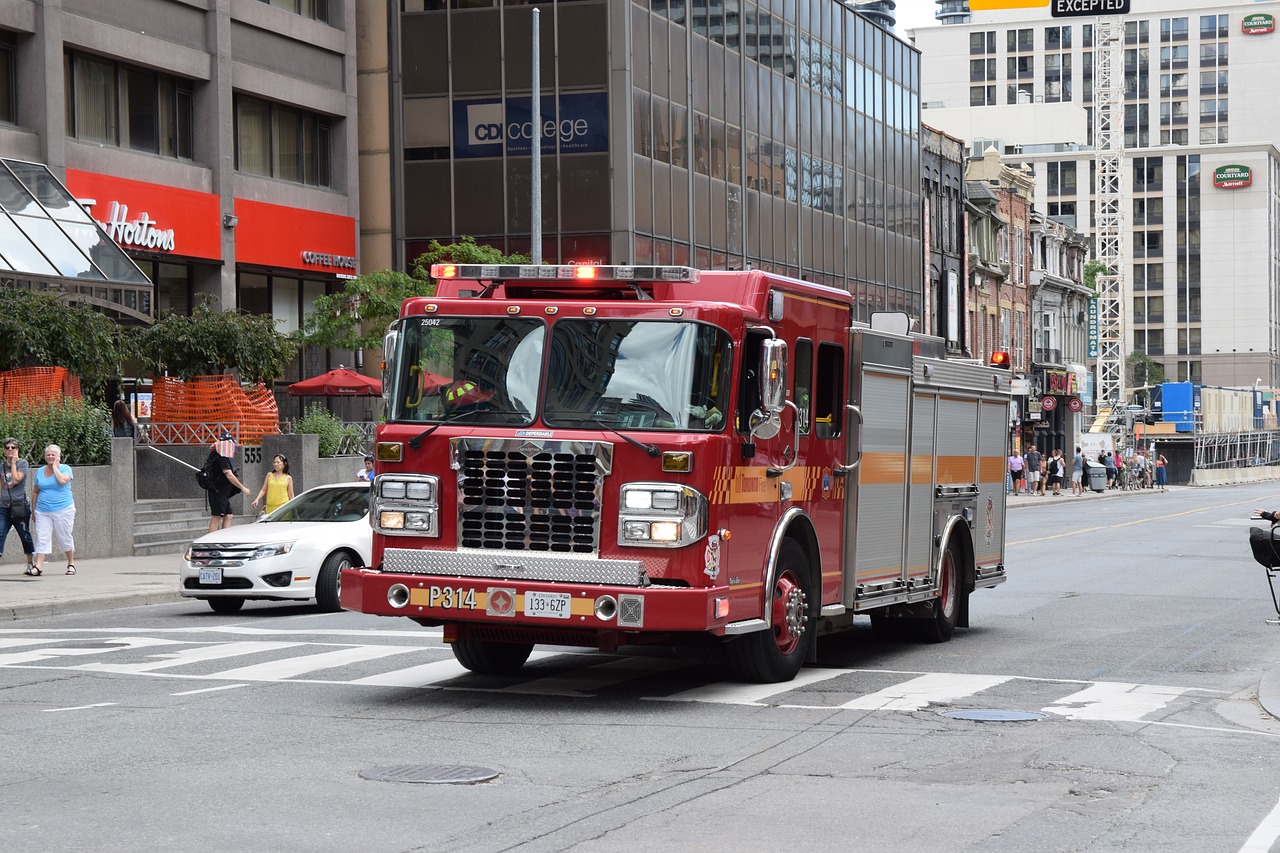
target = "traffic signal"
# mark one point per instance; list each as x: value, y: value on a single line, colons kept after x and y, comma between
x: 1000, y: 358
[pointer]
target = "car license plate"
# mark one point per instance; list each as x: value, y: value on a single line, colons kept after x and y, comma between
x: 211, y: 576
x: 547, y: 605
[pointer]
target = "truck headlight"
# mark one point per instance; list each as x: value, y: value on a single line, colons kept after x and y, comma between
x: 406, y: 505
x: 661, y: 515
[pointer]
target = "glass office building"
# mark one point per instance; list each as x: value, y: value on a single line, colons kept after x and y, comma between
x: 777, y: 135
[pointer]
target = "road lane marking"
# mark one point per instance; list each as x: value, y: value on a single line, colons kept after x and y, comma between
x: 1115, y: 701
x: 750, y: 694
x: 81, y: 707
x: 289, y: 667
x: 1264, y: 837
x: 936, y: 688
x: 182, y: 657
x: 208, y: 689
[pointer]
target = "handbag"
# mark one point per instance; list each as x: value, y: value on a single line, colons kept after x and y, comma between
x: 19, y: 511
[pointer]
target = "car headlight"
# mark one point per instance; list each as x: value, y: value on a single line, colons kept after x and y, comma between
x: 661, y: 515
x: 274, y: 550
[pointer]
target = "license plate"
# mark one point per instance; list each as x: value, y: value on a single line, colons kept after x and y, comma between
x: 547, y: 605
x: 211, y: 576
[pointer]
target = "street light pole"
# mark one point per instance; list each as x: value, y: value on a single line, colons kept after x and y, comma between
x: 535, y: 197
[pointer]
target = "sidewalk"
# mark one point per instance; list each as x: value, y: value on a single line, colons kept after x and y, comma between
x: 100, y: 584
x: 1015, y: 501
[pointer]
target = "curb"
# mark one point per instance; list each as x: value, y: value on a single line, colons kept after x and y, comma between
x: 1269, y: 693
x: 86, y: 605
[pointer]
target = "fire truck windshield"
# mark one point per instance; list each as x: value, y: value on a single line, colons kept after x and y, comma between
x: 628, y: 374
x: 478, y: 370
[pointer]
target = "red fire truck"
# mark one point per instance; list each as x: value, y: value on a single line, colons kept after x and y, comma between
x: 618, y: 455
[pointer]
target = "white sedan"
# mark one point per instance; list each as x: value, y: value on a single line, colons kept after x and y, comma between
x: 296, y: 553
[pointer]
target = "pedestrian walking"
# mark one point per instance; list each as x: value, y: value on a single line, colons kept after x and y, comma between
x: 1110, y: 462
x: 54, y: 509
x: 1034, y: 466
x: 1016, y: 464
x: 224, y: 484
x: 277, y: 486
x: 1077, y: 473
x: 1057, y: 469
x: 1161, y: 475
x: 15, y: 509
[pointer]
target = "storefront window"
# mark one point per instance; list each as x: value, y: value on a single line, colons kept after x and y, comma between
x: 284, y: 304
x: 252, y: 297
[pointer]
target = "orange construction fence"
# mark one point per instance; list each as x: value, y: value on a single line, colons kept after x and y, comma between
x: 212, y: 401
x: 36, y: 385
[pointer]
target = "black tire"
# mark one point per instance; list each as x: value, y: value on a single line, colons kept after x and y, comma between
x: 226, y: 605
x: 329, y: 581
x: 946, y: 609
x: 777, y: 654
x: 488, y: 658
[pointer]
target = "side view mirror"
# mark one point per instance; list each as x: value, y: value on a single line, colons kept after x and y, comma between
x: 389, y: 341
x: 773, y: 376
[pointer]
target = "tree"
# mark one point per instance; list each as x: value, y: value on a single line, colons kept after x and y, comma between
x: 210, y: 342
x: 44, y: 329
x: 1142, y: 370
x: 1092, y: 270
x: 357, y: 316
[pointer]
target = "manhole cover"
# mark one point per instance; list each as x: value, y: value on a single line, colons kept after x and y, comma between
x: 447, y: 774
x: 994, y: 716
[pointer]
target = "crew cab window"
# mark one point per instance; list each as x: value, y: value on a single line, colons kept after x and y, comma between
x: 828, y: 395
x: 802, y: 389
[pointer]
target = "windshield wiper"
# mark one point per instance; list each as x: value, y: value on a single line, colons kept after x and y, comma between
x: 651, y: 449
x: 416, y: 441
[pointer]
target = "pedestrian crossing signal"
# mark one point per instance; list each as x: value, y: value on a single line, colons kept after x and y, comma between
x: 1000, y: 359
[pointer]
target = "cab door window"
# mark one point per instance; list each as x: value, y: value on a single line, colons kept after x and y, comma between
x: 802, y: 390
x: 828, y: 392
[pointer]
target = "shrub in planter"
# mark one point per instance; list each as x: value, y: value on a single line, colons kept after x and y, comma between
x: 78, y: 427
x: 318, y: 421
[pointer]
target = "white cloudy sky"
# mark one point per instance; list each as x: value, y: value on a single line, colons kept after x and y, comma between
x: 913, y: 14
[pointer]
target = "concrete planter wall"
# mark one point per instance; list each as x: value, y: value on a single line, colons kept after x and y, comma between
x: 105, y: 495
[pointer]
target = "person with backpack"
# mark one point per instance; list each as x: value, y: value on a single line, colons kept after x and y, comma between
x: 220, y: 474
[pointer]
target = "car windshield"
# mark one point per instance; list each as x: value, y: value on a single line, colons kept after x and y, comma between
x: 626, y: 374
x: 478, y: 370
x: 345, y: 504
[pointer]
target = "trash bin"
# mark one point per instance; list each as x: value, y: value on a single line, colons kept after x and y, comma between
x: 1097, y: 478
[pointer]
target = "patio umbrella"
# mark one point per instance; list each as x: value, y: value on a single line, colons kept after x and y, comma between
x: 340, y: 382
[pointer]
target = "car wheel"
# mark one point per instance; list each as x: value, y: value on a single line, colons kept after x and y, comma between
x: 226, y: 605
x: 329, y: 581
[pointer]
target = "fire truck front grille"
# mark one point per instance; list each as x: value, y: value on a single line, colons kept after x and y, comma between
x: 529, y: 498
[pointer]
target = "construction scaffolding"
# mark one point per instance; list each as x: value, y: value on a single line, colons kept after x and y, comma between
x: 1236, y: 449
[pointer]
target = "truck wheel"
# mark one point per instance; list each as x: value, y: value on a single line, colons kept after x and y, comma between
x: 489, y: 658
x: 226, y: 605
x: 776, y: 655
x: 329, y: 581
x: 947, y: 605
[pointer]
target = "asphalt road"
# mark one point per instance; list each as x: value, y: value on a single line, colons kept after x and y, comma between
x: 1133, y: 629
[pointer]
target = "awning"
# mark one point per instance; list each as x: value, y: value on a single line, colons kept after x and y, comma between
x: 45, y: 235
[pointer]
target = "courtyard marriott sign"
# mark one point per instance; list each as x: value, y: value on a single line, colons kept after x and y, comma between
x: 1256, y: 25
x: 1232, y: 177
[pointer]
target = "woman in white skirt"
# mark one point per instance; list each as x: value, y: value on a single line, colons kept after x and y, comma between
x: 53, y: 509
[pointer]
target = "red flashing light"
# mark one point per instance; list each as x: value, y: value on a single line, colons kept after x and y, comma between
x: 1000, y: 359
x: 584, y: 271
x: 444, y: 271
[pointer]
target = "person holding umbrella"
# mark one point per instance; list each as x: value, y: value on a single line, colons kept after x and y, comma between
x: 225, y: 482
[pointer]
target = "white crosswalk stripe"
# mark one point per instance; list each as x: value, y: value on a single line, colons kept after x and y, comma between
x: 575, y: 675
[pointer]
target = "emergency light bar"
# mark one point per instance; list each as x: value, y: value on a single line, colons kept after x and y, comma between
x: 572, y: 272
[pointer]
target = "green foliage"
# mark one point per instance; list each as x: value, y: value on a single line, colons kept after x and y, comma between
x: 1142, y: 370
x: 43, y: 330
x: 79, y: 428
x: 357, y: 316
x: 318, y: 421
x: 1093, y: 269
x: 210, y: 342
x: 465, y: 251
